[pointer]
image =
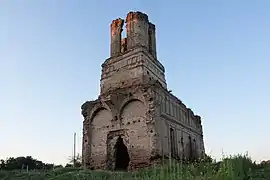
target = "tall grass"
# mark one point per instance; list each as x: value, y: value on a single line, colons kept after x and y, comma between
x: 238, y: 167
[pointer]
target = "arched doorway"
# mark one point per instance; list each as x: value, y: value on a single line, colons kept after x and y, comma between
x: 121, y: 155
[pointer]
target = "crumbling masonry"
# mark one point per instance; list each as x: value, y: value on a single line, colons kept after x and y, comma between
x: 135, y: 118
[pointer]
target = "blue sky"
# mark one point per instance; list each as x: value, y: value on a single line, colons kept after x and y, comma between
x: 216, y: 55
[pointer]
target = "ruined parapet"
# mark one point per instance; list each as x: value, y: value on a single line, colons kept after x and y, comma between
x: 202, y: 149
x: 140, y: 33
x: 116, y: 30
x: 152, y: 40
x: 137, y: 29
x: 198, y: 118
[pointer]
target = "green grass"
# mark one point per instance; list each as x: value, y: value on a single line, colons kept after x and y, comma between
x: 238, y: 167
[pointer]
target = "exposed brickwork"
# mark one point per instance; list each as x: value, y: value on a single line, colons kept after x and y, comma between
x: 134, y: 104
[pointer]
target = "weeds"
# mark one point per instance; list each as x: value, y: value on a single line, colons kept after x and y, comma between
x: 239, y: 167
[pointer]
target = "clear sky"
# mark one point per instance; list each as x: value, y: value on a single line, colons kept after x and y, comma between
x: 216, y: 55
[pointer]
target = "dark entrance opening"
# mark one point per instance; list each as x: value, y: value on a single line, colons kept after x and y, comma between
x: 121, y: 155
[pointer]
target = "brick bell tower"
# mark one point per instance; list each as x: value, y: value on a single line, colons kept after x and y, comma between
x: 125, y: 128
x: 127, y: 63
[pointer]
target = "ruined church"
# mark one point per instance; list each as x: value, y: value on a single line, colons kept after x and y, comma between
x: 136, y: 119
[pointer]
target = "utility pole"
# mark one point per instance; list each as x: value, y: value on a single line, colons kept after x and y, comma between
x: 74, y: 155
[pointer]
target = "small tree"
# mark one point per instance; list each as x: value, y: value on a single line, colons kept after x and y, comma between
x: 76, y: 161
x: 2, y: 164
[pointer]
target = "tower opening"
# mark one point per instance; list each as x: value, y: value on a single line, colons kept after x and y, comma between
x: 124, y: 40
x: 121, y: 155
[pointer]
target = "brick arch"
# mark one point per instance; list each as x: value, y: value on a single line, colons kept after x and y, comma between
x: 133, y: 117
x: 95, y: 111
x: 129, y: 103
x: 100, y: 112
x: 97, y: 107
x: 100, y: 122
